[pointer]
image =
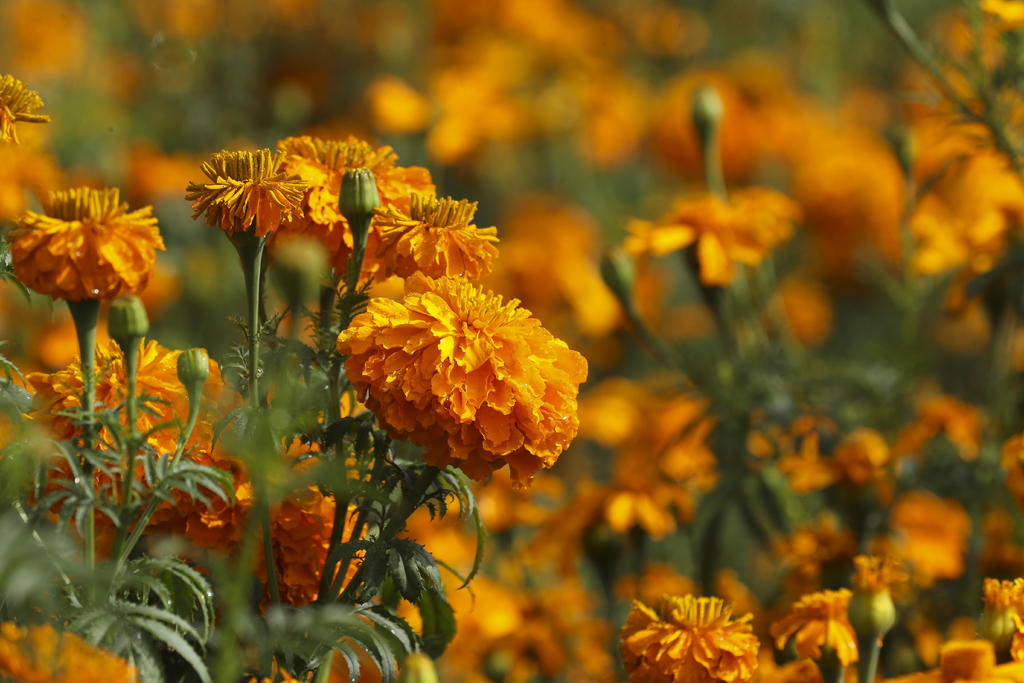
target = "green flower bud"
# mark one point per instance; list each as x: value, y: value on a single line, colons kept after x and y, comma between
x: 358, y: 196
x: 707, y: 111
x: 418, y: 668
x: 127, y: 321
x: 872, y: 613
x: 996, y: 626
x: 299, y: 264
x: 193, y: 369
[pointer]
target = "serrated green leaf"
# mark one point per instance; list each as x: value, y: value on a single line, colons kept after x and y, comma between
x: 174, y: 640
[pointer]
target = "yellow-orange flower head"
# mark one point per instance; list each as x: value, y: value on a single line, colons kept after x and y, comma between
x: 17, y: 104
x: 39, y: 654
x: 470, y: 377
x: 322, y: 163
x: 247, y: 189
x: 873, y: 573
x: 745, y: 228
x: 819, y: 620
x: 688, y: 639
x: 87, y: 246
x: 436, y: 237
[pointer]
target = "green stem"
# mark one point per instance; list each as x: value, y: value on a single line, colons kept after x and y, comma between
x: 131, y: 361
x: 331, y: 561
x: 85, y: 315
x: 268, y: 545
x: 867, y: 664
x: 323, y: 674
x: 250, y: 252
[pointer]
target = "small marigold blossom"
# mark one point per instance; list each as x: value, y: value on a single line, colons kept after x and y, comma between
x: 436, y: 237
x: 39, y: 654
x: 246, y: 189
x: 87, y: 246
x: 819, y: 620
x: 472, y: 378
x: 874, y: 573
x: 744, y: 228
x: 322, y: 163
x: 17, y: 104
x: 688, y: 639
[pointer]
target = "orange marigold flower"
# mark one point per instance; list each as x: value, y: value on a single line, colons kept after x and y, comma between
x: 17, y: 104
x: 873, y: 573
x: 322, y: 163
x: 744, y: 228
x: 472, y: 378
x: 819, y: 620
x: 967, y: 660
x: 87, y: 246
x: 39, y: 654
x: 1009, y: 13
x: 688, y: 639
x: 247, y: 189
x: 934, y: 533
x: 436, y: 237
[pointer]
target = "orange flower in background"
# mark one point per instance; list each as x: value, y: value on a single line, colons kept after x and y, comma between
x: 87, y: 246
x: 960, y: 422
x: 436, y: 237
x: 17, y: 103
x: 24, y: 173
x: 657, y: 579
x: 549, y: 252
x: 1013, y: 462
x: 246, y: 189
x: 861, y: 456
x: 322, y: 163
x: 967, y: 660
x: 301, y: 531
x: 933, y: 535
x: 1009, y: 13
x: 39, y: 654
x: 396, y: 107
x: 688, y: 639
x: 808, y: 309
x: 745, y: 228
x: 472, y: 378
x: 816, y: 621
x: 873, y: 573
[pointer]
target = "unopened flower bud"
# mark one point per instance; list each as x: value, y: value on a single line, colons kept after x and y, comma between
x: 707, y: 111
x: 127, y: 321
x: 299, y: 264
x: 193, y: 369
x: 997, y: 627
x: 358, y: 196
x: 418, y: 668
x: 872, y: 613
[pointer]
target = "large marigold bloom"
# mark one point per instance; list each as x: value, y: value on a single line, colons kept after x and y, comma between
x: 39, y: 654
x: 472, y: 378
x: 87, y: 246
x: 17, y: 104
x: 744, y: 228
x: 688, y: 639
x: 247, y: 189
x: 819, y: 620
x: 435, y: 237
x: 322, y: 163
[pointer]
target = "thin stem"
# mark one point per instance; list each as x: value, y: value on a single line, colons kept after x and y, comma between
x: 85, y: 315
x: 323, y: 674
x: 131, y: 361
x: 268, y: 546
x: 867, y: 664
x: 250, y: 252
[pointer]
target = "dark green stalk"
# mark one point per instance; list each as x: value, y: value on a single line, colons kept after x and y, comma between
x: 85, y: 315
x: 867, y: 663
x: 131, y: 361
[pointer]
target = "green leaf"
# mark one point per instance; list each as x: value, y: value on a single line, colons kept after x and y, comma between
x: 438, y: 623
x: 174, y: 640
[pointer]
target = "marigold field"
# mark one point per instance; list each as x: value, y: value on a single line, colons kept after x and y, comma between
x: 512, y: 341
